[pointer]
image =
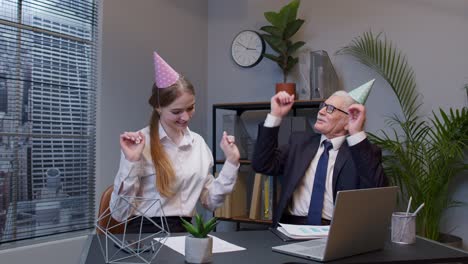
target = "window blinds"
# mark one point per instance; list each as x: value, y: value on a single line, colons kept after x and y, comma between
x: 47, y: 116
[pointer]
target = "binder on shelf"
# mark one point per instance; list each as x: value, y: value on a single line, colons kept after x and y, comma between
x: 227, y: 206
x: 239, y: 196
x: 219, y: 212
x: 255, y: 205
x: 235, y: 203
x: 267, y: 198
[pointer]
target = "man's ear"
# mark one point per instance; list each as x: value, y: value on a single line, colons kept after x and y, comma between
x: 346, y: 126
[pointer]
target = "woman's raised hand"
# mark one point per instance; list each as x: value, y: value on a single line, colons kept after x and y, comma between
x: 231, y: 152
x: 132, y: 144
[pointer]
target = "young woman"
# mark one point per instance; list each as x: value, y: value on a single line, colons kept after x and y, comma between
x: 169, y: 162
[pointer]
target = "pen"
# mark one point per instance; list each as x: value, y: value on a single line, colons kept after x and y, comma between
x: 409, y: 205
x: 419, y: 208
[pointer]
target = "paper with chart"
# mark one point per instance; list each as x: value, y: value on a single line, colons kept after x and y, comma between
x: 219, y: 245
x: 304, y: 231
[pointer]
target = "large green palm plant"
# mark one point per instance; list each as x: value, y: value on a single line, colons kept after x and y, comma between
x: 421, y: 154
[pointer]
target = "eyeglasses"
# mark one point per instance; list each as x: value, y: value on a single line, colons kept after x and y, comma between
x: 330, y: 108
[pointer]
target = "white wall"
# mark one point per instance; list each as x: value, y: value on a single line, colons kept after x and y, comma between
x: 433, y: 34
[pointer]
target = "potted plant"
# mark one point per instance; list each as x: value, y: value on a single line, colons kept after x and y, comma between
x: 284, y: 25
x: 198, y: 245
x: 422, y: 154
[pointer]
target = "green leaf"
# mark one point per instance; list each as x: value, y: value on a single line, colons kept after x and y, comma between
x: 272, y: 30
x: 284, y: 15
x: 202, y: 229
x: 275, y: 43
x: 211, y: 223
x: 209, y: 226
x: 291, y: 63
x: 292, y: 8
x: 294, y: 47
x: 200, y: 226
x: 274, y: 18
x: 272, y: 57
x: 190, y: 228
x: 292, y: 28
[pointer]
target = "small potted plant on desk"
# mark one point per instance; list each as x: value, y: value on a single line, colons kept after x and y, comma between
x: 198, y: 245
x: 284, y: 25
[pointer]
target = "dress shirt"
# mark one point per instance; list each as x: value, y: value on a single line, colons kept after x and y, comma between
x: 301, y: 196
x: 192, y: 161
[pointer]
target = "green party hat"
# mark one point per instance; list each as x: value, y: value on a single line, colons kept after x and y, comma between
x: 361, y: 93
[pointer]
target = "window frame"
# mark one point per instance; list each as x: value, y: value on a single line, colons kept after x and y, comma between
x: 54, y: 38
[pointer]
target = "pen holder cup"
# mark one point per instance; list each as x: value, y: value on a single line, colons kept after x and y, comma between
x: 403, y: 228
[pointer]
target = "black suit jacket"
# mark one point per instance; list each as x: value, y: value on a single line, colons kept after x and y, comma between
x: 356, y: 167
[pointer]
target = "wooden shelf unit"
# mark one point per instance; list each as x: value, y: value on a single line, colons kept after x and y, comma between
x: 240, y: 108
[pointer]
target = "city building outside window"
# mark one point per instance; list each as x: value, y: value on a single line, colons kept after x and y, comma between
x: 48, y: 82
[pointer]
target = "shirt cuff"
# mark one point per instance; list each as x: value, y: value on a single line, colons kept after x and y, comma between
x: 272, y: 121
x: 228, y: 173
x: 131, y: 169
x: 230, y: 168
x: 356, y: 138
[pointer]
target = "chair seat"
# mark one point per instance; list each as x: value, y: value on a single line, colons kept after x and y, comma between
x: 108, y: 220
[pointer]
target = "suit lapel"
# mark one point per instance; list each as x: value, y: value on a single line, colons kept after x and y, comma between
x: 341, y: 158
x: 311, y: 148
x: 305, y: 154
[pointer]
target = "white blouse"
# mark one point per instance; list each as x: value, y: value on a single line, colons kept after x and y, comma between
x: 192, y: 161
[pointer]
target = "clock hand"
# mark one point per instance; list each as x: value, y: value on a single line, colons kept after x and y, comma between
x: 241, y: 44
x: 247, y: 48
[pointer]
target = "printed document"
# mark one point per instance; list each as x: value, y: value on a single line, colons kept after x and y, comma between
x: 219, y: 246
x: 304, y: 231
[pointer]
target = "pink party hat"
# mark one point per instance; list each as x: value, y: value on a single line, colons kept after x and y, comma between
x: 164, y: 75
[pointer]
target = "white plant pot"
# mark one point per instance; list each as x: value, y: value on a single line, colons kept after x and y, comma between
x: 198, y: 250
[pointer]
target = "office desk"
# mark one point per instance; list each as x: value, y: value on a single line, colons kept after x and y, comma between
x: 259, y: 243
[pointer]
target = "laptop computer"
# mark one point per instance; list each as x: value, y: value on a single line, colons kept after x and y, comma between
x: 360, y: 224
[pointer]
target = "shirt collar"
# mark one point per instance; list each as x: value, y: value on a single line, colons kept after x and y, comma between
x: 336, y: 142
x: 187, y: 140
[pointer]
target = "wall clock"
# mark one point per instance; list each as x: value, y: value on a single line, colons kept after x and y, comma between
x: 247, y: 48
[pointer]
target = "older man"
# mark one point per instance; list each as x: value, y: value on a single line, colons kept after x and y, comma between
x: 315, y: 167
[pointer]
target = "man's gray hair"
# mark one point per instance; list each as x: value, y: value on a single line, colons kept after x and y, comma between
x: 348, y: 100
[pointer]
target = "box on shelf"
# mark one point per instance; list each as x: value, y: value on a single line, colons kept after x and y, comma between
x: 233, y: 125
x: 317, y: 76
